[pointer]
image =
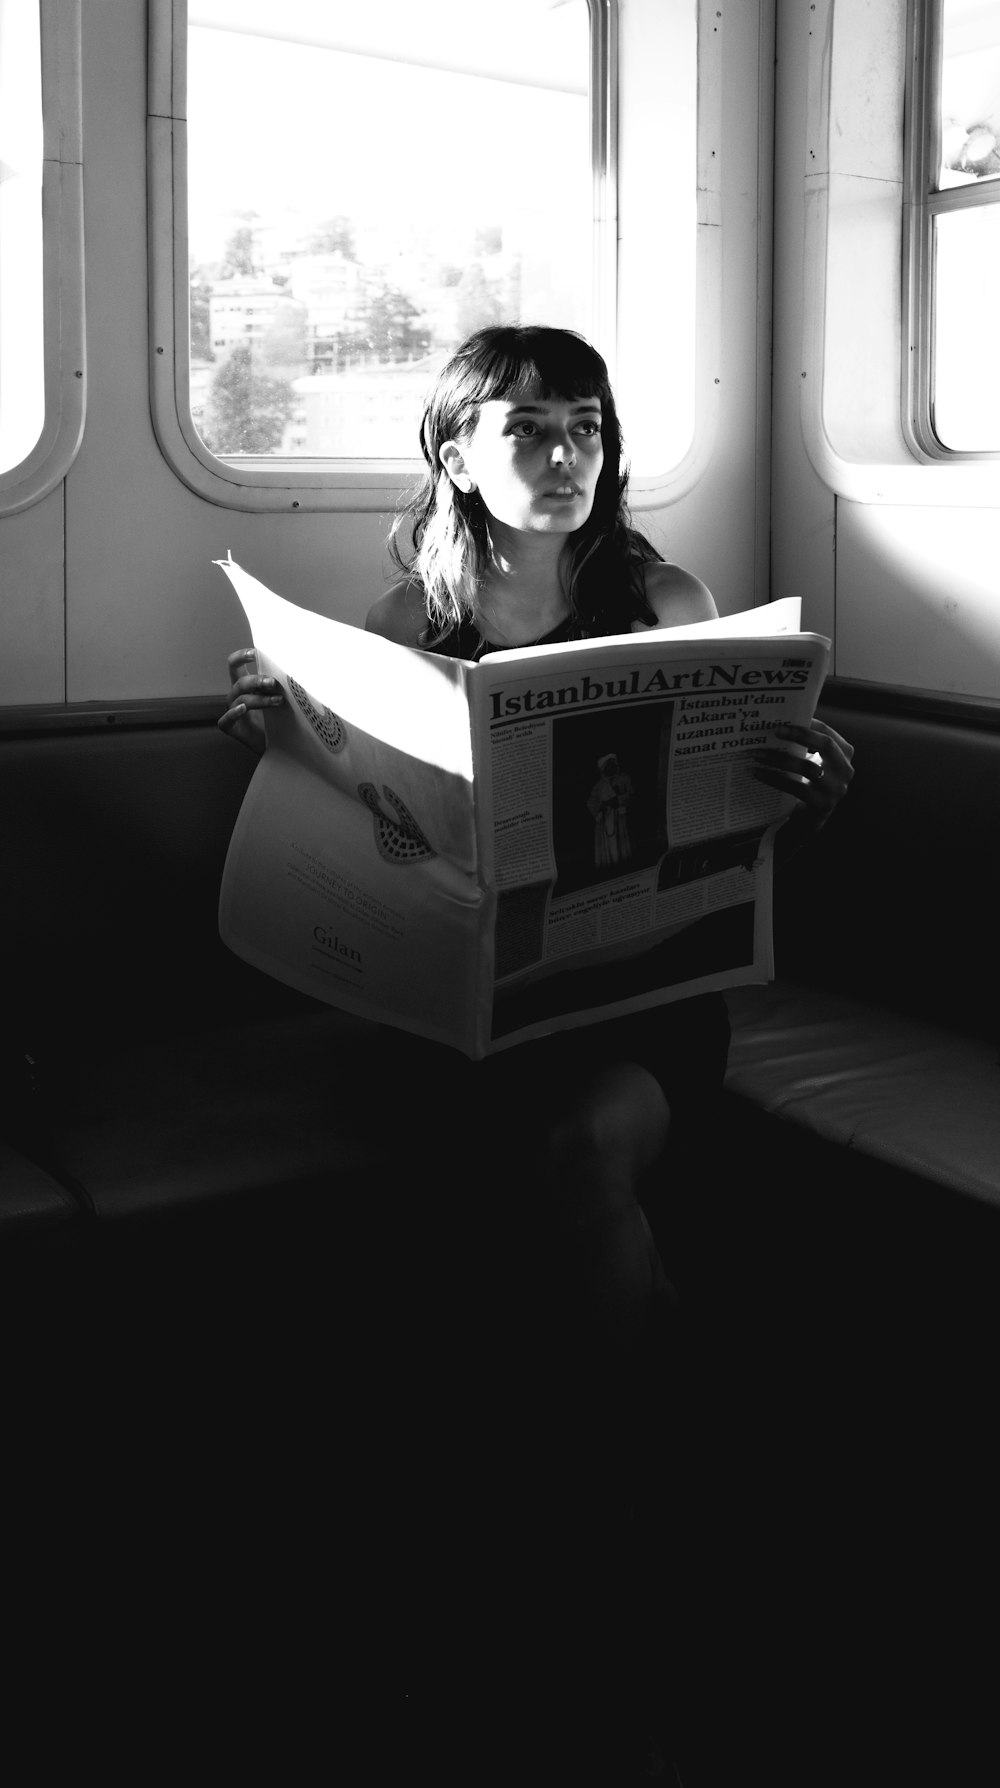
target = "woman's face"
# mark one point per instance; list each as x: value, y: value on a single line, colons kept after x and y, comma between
x: 534, y: 460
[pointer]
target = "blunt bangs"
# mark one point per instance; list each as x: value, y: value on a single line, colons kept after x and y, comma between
x: 499, y: 364
x: 550, y: 367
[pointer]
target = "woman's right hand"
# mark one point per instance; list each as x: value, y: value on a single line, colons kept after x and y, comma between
x: 248, y: 694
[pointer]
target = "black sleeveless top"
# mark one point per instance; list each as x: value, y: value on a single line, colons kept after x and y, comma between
x: 466, y: 641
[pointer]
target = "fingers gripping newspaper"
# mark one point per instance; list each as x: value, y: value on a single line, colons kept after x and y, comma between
x: 482, y: 853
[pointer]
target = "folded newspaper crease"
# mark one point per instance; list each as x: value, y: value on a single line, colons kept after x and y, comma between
x: 483, y: 853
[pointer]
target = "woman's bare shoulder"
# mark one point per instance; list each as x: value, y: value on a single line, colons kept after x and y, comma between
x: 399, y: 615
x: 676, y: 596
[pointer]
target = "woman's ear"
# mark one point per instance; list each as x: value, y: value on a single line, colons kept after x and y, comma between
x: 450, y: 455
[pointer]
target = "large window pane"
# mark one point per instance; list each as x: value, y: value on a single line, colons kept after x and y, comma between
x: 366, y: 186
x: 22, y: 369
x: 970, y: 92
x: 963, y: 241
x: 966, y: 344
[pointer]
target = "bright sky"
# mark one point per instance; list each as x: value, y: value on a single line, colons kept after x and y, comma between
x: 531, y: 41
x: 282, y: 127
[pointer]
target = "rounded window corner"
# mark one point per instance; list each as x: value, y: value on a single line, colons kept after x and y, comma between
x: 61, y: 275
x: 46, y: 467
x: 896, y: 472
x: 649, y: 491
x: 264, y: 485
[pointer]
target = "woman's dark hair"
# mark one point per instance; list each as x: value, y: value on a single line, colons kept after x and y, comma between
x: 451, y: 548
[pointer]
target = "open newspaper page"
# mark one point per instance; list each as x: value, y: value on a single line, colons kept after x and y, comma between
x: 352, y: 872
x: 628, y: 841
x: 481, y: 853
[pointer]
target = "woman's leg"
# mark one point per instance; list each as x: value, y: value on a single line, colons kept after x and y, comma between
x: 619, y: 1351
x: 594, y: 1154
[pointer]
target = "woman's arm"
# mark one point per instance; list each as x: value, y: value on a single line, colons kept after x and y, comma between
x: 399, y: 615
x: 677, y: 597
x: 818, y: 782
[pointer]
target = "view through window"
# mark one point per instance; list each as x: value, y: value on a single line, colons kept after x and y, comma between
x: 367, y: 185
x: 966, y: 247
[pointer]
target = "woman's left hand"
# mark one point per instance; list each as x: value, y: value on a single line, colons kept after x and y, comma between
x: 818, y: 781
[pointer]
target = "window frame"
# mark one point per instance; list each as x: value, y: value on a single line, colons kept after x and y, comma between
x: 65, y: 364
x: 265, y: 483
x: 853, y: 378
x: 923, y: 203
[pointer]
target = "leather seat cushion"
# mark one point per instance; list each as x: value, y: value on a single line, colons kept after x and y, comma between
x: 901, y: 1090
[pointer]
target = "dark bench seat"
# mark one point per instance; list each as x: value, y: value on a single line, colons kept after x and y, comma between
x: 198, y: 1295
x: 280, y: 1107
x: 880, y: 1034
x: 32, y: 1200
x: 914, y: 1095
x: 170, y: 1074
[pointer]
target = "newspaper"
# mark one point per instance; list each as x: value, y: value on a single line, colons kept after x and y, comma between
x: 483, y: 853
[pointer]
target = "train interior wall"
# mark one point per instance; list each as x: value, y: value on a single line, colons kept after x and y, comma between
x: 109, y: 593
x: 108, y: 596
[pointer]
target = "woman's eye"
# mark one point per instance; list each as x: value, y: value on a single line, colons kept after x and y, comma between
x: 529, y: 431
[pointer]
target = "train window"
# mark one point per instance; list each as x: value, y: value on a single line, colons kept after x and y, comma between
x: 22, y: 370
x: 350, y: 191
x: 954, y: 227
x: 41, y: 259
x: 395, y: 177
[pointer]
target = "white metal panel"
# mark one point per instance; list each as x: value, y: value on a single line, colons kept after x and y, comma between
x: 31, y: 603
x: 918, y: 597
x: 719, y: 527
x: 802, y: 506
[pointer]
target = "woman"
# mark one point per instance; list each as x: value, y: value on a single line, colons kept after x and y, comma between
x: 521, y: 536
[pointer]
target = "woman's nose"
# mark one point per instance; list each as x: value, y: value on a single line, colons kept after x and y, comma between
x: 563, y: 452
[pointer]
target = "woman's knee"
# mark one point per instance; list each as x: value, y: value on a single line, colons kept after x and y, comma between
x: 614, y: 1130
